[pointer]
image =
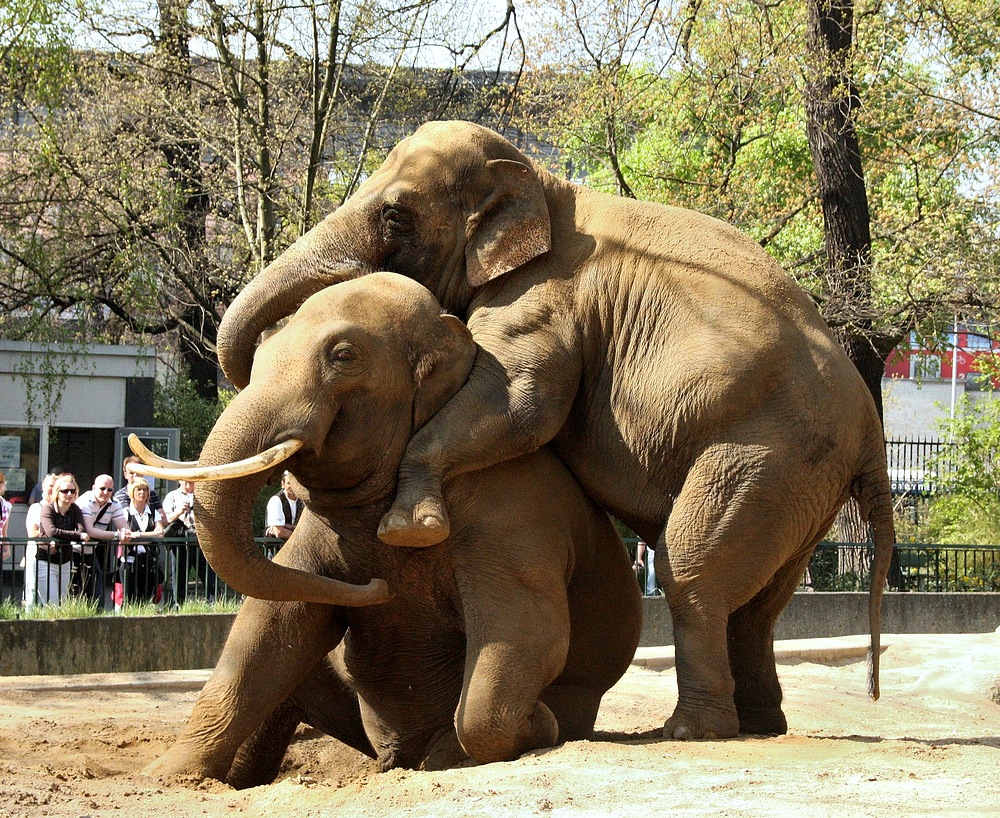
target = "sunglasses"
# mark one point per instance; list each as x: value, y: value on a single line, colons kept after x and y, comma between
x: 67, y: 491
x: 104, y: 489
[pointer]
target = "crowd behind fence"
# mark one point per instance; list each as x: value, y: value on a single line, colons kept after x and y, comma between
x: 175, y: 571
x: 181, y: 573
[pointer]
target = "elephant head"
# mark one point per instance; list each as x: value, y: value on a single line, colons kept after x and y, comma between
x: 334, y: 397
x: 453, y: 206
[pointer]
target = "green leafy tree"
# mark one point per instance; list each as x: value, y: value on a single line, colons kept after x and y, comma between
x: 194, y: 144
x: 705, y: 105
x: 966, y: 508
x: 177, y: 404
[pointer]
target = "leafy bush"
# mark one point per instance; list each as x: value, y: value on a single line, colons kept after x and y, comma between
x: 967, y: 507
x: 176, y: 404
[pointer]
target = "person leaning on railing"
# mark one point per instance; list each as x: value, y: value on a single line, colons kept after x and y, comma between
x: 139, y: 577
x: 62, y: 527
x: 5, y: 508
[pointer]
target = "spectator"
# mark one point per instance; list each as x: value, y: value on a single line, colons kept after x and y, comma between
x: 62, y: 528
x: 178, y: 507
x: 283, y: 511
x: 106, y: 522
x: 33, y: 524
x: 139, y: 577
x: 5, y: 508
x: 644, y: 556
x: 122, y: 495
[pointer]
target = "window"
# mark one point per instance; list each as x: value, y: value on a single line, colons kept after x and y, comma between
x: 19, y: 452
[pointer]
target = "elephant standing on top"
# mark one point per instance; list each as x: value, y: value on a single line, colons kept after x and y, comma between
x: 688, y: 383
x: 500, y: 640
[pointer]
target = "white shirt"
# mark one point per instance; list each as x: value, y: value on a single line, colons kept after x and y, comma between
x: 142, y: 520
x: 91, y: 506
x: 275, y: 513
x: 178, y: 498
x: 33, y: 518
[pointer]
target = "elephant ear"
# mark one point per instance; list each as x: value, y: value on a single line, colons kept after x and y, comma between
x: 511, y: 224
x: 443, y: 371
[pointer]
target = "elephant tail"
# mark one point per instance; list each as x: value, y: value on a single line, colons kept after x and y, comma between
x: 872, y: 491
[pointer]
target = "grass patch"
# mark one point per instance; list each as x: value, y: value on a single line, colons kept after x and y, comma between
x: 75, y: 608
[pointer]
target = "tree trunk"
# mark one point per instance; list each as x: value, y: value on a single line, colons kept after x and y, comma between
x: 181, y: 150
x: 831, y: 102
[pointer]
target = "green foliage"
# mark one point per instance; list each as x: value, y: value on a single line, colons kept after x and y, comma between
x: 177, y: 404
x: 966, y: 509
x: 710, y: 114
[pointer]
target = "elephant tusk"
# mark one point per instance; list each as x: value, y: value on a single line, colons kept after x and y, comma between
x: 226, y: 471
x: 152, y: 459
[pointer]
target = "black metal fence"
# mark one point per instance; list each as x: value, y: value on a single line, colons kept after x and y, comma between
x: 167, y: 572
x: 915, y: 567
x: 172, y: 571
x: 915, y: 465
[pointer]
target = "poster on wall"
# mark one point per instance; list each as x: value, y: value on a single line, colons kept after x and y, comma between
x: 16, y: 479
x: 10, y: 452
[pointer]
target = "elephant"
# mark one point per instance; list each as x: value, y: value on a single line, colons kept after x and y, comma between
x: 688, y: 383
x: 499, y: 640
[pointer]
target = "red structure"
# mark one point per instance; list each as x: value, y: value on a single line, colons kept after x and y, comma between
x: 911, y: 360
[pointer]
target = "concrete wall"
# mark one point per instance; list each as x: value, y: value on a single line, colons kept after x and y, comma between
x: 138, y: 644
x: 813, y: 615
x: 917, y: 408
x: 107, y: 644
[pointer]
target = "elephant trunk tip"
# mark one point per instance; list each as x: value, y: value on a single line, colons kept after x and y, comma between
x: 283, y: 584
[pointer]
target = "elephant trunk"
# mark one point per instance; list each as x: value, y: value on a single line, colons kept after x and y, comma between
x: 317, y: 260
x: 224, y: 510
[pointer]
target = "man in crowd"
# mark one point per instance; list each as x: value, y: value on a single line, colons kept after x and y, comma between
x: 121, y: 496
x: 105, y: 521
x: 178, y: 509
x: 283, y: 511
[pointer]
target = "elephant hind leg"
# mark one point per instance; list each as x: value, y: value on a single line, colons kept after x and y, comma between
x: 499, y: 716
x: 732, y: 530
x: 575, y: 708
x: 751, y: 652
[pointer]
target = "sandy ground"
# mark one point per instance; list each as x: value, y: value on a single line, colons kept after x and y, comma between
x: 931, y: 746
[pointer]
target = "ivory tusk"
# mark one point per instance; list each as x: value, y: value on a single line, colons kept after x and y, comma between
x: 226, y: 471
x: 152, y: 459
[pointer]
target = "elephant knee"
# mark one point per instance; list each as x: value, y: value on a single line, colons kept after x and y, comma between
x: 503, y: 736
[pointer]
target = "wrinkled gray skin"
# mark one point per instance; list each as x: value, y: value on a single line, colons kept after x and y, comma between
x: 687, y: 382
x: 499, y: 640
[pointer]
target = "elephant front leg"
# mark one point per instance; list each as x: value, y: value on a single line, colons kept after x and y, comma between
x: 514, y: 402
x: 324, y: 701
x: 264, y: 659
x: 418, y: 517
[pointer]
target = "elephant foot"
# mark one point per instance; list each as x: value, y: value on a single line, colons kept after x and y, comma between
x: 701, y: 724
x: 178, y: 764
x: 763, y: 721
x: 424, y: 525
x: 444, y: 752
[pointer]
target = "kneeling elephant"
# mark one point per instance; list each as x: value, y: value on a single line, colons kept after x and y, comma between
x: 499, y: 640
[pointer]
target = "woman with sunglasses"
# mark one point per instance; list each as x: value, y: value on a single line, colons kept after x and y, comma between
x: 62, y: 526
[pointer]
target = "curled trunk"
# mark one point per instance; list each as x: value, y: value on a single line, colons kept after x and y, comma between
x: 224, y: 511
x: 315, y: 261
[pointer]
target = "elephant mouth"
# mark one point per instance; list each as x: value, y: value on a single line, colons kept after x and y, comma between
x: 155, y: 466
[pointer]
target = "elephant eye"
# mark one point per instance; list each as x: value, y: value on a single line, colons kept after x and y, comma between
x: 342, y: 352
x: 396, y: 218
